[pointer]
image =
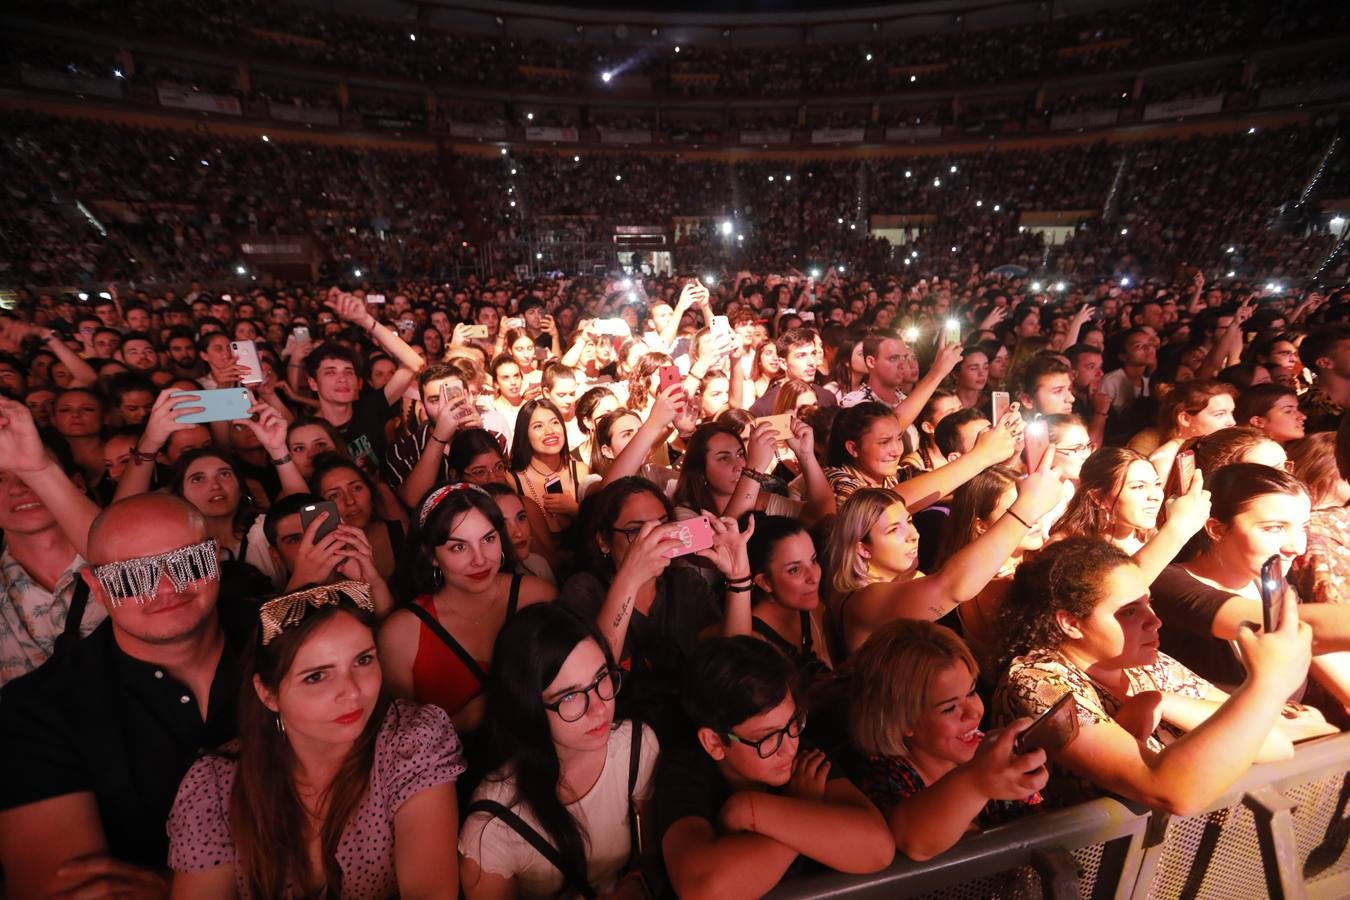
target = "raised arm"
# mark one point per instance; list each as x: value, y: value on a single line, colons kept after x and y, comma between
x: 159, y: 425
x: 1194, y: 771
x: 991, y: 448
x: 349, y: 308
x: 972, y: 567
x: 820, y: 501
x: 22, y: 453
x: 665, y: 407
x: 948, y: 357
x: 1186, y: 514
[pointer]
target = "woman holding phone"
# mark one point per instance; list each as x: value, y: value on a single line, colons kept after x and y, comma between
x: 914, y: 716
x: 1079, y: 621
x: 650, y: 604
x: 544, y: 470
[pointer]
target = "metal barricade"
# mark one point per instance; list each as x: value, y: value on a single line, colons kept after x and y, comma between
x: 1282, y: 832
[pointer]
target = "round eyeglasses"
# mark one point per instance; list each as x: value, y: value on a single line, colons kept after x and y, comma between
x: 768, y: 745
x: 572, y: 706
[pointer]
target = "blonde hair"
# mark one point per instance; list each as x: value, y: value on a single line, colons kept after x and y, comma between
x: 856, y: 517
x: 892, y: 681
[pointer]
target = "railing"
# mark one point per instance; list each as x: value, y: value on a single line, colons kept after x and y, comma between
x: 1282, y: 832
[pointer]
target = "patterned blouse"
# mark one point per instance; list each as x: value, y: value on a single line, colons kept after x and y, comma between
x: 1322, y: 573
x: 1035, y: 681
x: 844, y: 480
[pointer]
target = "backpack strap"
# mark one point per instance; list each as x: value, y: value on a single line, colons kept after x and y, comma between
x: 634, y: 820
x: 513, y: 599
x: 535, y: 840
x: 70, y: 633
x: 448, y: 639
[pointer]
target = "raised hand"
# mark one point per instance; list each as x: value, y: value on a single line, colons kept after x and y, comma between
x: 761, y: 450
x: 164, y: 419
x: 270, y: 427
x: 349, y: 308
x: 728, y: 551
x: 1000, y: 772
x: 1190, y: 511
x: 21, y: 448
x: 948, y: 357
x: 802, y: 440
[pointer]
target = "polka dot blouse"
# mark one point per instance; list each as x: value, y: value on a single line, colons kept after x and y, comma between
x: 416, y: 749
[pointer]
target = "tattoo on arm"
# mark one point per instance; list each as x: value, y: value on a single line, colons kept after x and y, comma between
x: 623, y: 610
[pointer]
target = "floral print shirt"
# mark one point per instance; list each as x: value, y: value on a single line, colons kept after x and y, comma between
x: 1322, y: 573
x: 32, y: 617
x: 1035, y: 681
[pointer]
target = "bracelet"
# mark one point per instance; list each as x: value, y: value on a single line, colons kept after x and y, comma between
x: 282, y: 460
x: 1025, y: 523
x: 750, y: 473
x: 432, y: 437
x: 739, y: 589
x: 138, y: 457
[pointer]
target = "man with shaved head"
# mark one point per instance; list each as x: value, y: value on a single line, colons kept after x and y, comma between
x: 95, y: 741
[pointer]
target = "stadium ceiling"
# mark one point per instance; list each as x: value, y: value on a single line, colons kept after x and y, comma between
x: 725, y: 23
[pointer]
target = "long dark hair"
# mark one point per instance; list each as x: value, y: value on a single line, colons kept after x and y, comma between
x: 693, y: 490
x: 1100, y: 482
x: 247, y: 508
x: 973, y: 501
x: 531, y: 647
x: 1232, y: 489
x: 601, y: 511
x: 468, y: 444
x: 267, y: 818
x: 418, y: 571
x: 850, y: 426
x: 522, y: 454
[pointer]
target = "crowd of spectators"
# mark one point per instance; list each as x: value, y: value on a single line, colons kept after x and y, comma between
x: 172, y: 205
x: 629, y: 585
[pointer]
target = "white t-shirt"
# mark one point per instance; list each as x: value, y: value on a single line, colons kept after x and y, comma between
x: 601, y: 815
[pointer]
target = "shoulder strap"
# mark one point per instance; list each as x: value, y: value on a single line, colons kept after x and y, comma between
x: 634, y: 821
x: 808, y: 642
x: 448, y: 639
x: 74, y: 617
x: 513, y: 600
x: 535, y: 840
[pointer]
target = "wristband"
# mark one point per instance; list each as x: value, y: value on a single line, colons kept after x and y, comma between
x: 750, y: 473
x: 1024, y: 522
x: 432, y: 437
x: 281, y: 460
x: 138, y: 457
x: 740, y: 588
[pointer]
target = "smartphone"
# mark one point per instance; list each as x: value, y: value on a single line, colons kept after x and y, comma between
x: 476, y: 333
x: 612, y: 327
x: 1036, y: 440
x: 374, y: 298
x: 720, y: 325
x: 782, y: 423
x: 1272, y: 593
x: 407, y: 325
x: 1054, y: 730
x: 669, y: 375
x: 221, y: 405
x: 554, y: 485
x: 311, y: 512
x: 1001, y: 400
x: 247, y: 354
x: 451, y: 393
x: 789, y: 311
x: 952, y: 331
x: 515, y: 323
x: 1184, y: 470
x: 301, y: 334
x: 694, y: 535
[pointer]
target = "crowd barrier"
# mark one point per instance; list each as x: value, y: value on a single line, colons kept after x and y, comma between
x: 1282, y: 832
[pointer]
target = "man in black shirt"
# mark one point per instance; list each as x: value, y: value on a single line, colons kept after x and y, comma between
x: 358, y: 411
x: 94, y: 742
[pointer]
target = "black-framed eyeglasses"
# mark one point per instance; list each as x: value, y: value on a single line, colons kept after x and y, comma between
x: 632, y: 532
x: 573, y: 705
x: 768, y: 745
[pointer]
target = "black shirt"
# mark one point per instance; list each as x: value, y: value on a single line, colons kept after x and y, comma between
x: 1188, y: 607
x: 364, y: 431
x: 95, y: 719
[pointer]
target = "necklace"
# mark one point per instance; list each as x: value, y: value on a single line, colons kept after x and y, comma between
x: 534, y: 495
x: 545, y: 473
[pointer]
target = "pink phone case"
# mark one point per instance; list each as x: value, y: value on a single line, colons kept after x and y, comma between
x: 694, y: 535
